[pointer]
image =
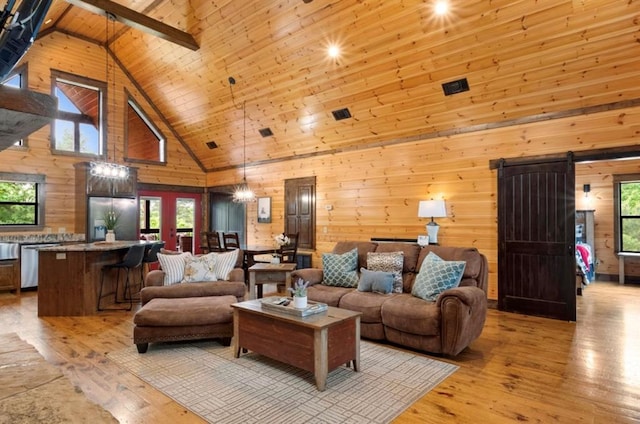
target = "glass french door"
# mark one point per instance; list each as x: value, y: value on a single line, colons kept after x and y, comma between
x: 172, y: 217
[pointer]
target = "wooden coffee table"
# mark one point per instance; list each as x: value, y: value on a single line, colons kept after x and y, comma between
x: 317, y: 343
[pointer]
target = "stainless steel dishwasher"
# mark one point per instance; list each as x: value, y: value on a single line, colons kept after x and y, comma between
x: 29, y: 264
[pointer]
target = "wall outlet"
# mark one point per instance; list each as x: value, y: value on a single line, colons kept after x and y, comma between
x: 328, y: 207
x: 62, y: 230
x: 324, y: 230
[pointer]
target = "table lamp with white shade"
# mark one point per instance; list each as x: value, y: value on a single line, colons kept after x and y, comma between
x: 432, y: 209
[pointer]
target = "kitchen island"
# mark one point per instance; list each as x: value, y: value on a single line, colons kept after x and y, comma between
x: 69, y: 277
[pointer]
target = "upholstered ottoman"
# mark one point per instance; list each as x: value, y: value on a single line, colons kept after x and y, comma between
x: 190, y: 318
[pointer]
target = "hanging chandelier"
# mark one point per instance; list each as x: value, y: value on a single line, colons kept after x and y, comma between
x: 107, y: 169
x: 242, y: 193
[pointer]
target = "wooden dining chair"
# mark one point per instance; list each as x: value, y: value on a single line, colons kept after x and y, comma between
x: 214, y: 242
x: 288, y: 255
x: 289, y: 252
x: 231, y: 241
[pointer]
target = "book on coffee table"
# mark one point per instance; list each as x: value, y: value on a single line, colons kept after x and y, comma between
x: 285, y: 305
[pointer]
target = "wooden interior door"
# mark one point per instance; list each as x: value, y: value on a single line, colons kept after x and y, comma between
x: 300, y: 210
x: 536, y: 237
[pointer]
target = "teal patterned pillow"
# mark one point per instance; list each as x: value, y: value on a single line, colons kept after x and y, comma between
x: 340, y: 270
x: 437, y: 275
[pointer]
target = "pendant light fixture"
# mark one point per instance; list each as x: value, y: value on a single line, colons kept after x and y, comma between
x: 242, y: 193
x: 108, y: 169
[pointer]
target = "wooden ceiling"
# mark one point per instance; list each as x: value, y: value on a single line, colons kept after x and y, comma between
x: 522, y: 59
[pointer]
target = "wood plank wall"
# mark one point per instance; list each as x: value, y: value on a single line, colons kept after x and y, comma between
x: 375, y: 192
x: 82, y: 58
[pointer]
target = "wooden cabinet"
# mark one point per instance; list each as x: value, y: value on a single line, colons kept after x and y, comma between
x: 89, y: 188
x: 93, y: 186
x: 105, y: 187
x: 10, y: 275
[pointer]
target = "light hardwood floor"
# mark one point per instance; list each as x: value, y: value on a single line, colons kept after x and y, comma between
x: 522, y: 368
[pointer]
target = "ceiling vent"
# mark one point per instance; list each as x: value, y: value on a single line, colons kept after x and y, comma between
x: 212, y: 144
x: 266, y: 132
x: 454, y: 87
x: 341, y: 114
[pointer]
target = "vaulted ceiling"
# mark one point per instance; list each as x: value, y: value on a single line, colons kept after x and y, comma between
x: 521, y: 58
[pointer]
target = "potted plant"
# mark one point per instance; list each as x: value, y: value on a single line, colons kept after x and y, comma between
x: 111, y: 222
x: 299, y: 291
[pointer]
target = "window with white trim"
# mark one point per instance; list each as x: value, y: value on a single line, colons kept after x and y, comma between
x: 80, y: 126
x: 144, y: 142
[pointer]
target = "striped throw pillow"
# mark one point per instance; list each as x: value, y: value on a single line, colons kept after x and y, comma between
x: 225, y: 262
x: 173, y: 267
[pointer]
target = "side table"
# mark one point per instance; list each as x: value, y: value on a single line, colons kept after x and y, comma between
x: 263, y: 273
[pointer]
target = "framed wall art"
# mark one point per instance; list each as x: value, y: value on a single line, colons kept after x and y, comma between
x: 264, y: 210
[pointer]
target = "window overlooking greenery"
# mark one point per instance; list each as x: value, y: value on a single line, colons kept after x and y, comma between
x: 629, y: 216
x: 185, y: 216
x: 21, y: 200
x: 79, y: 127
x: 150, y: 216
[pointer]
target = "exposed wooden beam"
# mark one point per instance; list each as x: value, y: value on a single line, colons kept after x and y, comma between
x: 138, y: 21
x: 23, y: 112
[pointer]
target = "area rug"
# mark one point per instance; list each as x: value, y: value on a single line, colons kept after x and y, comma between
x: 35, y: 391
x: 205, y: 378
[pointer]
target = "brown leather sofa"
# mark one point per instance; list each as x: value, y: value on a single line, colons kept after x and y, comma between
x: 445, y: 326
x: 187, y: 311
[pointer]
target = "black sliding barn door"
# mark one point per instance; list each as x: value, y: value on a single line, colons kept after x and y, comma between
x: 536, y: 236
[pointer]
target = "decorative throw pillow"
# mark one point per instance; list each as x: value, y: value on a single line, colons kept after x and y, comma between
x: 340, y: 270
x: 375, y: 281
x: 437, y: 275
x: 225, y: 262
x: 200, y: 268
x: 173, y: 267
x: 388, y: 262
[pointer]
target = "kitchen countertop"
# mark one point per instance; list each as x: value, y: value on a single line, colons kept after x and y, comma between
x: 42, y: 238
x: 99, y: 246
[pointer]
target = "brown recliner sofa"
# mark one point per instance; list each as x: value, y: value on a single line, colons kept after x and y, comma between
x: 445, y: 326
x: 187, y: 311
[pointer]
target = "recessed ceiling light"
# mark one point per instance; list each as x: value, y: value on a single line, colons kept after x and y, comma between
x: 211, y: 144
x: 333, y: 51
x: 265, y: 132
x: 441, y: 7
